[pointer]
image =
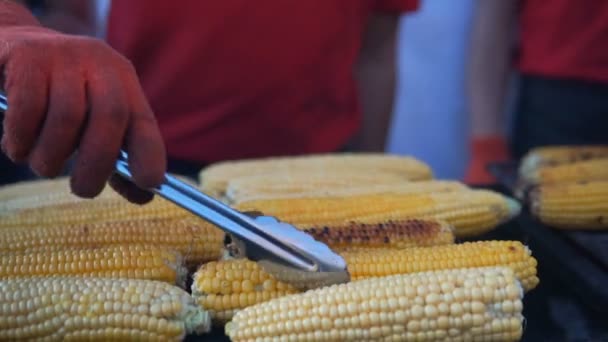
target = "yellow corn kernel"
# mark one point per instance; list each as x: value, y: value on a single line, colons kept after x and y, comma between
x: 582, y: 205
x: 435, y: 305
x: 214, y: 179
x: 65, y: 308
x: 470, y: 212
x: 245, y: 189
x: 132, y: 261
x: 195, y: 239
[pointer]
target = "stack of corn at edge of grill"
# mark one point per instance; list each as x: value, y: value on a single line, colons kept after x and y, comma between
x: 586, y: 170
x: 470, y: 212
x: 127, y: 261
x: 572, y: 206
x: 459, y: 304
x: 58, y: 308
x: 214, y: 178
x: 547, y: 156
x: 225, y: 287
x: 197, y: 241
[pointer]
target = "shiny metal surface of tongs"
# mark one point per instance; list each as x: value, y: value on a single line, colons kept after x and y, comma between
x: 284, y: 251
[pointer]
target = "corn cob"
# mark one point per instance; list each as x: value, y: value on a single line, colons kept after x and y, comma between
x: 464, y: 304
x: 383, y: 262
x: 215, y: 178
x: 471, y: 212
x: 91, y: 210
x: 259, y: 188
x: 134, y: 262
x: 196, y: 240
x: 556, y: 155
x: 588, y: 170
x: 71, y: 308
x: 572, y: 205
x: 226, y: 286
x: 390, y: 234
x: 40, y: 193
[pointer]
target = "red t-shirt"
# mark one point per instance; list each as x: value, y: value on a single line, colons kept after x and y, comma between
x: 241, y: 78
x: 564, y: 39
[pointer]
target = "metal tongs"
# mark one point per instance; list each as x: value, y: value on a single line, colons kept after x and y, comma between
x: 289, y: 254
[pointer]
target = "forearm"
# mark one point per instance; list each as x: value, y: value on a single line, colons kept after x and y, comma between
x: 490, y: 66
x: 376, y: 79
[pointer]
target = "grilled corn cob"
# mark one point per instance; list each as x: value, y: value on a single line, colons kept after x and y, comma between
x: 134, y: 262
x: 73, y: 308
x: 390, y: 234
x: 214, y: 179
x: 462, y: 304
x: 588, y: 170
x: 582, y: 205
x: 223, y: 287
x: 471, y: 212
x: 90, y: 211
x: 383, y: 262
x: 556, y: 155
x: 40, y: 193
x: 262, y: 187
x: 196, y: 240
x: 226, y: 286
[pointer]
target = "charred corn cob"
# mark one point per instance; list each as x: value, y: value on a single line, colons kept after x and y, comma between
x: 390, y: 234
x: 196, y: 240
x: 259, y: 188
x: 91, y: 210
x: 215, y: 178
x: 471, y: 212
x: 588, y: 170
x: 556, y: 155
x: 226, y: 286
x: 463, y: 304
x: 134, y: 262
x: 73, y: 308
x: 572, y: 205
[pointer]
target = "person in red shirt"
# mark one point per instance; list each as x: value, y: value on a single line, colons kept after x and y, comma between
x: 560, y: 52
x: 243, y: 79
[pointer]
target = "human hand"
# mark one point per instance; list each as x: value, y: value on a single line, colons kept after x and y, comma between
x: 73, y: 94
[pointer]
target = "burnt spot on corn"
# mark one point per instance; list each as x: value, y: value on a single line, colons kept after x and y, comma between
x: 402, y: 233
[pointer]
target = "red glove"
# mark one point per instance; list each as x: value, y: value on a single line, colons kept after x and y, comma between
x: 71, y: 94
x: 485, y: 150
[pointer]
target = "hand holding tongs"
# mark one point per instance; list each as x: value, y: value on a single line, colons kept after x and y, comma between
x: 287, y: 253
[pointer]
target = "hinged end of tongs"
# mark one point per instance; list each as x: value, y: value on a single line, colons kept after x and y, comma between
x: 289, y: 254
